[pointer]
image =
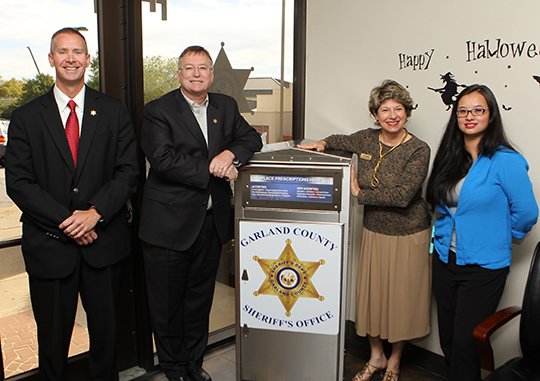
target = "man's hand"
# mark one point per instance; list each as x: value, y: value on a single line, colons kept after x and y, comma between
x: 80, y: 222
x: 231, y: 174
x: 87, y: 238
x: 219, y: 166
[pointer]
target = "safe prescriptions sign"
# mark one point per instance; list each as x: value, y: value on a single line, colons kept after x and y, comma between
x: 311, y: 189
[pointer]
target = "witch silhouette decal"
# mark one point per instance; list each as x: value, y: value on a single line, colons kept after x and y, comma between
x: 450, y: 90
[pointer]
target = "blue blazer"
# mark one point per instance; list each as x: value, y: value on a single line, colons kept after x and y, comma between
x: 496, y: 204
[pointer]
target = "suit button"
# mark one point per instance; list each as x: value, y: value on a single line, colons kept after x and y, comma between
x: 75, y: 190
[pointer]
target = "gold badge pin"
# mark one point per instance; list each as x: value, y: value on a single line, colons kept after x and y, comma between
x: 365, y: 156
x: 93, y: 112
x: 288, y: 278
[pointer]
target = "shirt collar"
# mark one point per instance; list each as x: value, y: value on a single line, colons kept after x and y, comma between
x: 62, y: 99
x: 193, y: 104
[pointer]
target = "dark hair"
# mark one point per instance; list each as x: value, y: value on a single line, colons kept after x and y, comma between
x: 68, y: 31
x: 196, y: 49
x: 452, y: 161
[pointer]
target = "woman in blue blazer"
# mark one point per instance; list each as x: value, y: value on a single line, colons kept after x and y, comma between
x: 483, y: 198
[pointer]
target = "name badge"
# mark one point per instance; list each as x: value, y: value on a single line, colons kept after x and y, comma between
x: 365, y: 156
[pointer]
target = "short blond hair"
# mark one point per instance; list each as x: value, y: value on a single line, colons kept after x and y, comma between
x: 68, y: 31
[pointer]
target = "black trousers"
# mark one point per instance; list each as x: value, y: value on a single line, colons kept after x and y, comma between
x: 465, y: 296
x: 180, y: 291
x: 54, y: 303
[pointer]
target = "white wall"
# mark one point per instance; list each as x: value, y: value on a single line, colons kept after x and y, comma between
x: 352, y: 45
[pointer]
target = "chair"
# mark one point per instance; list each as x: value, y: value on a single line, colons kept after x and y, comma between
x: 527, y: 366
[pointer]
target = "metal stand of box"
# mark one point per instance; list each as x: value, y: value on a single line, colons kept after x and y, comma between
x: 291, y: 249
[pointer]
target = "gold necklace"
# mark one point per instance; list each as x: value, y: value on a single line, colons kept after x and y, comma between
x: 374, y: 180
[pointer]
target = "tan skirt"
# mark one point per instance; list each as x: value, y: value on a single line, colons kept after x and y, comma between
x: 394, y: 286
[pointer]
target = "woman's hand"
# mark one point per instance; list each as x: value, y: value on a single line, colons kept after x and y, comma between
x: 318, y: 146
x: 355, y: 187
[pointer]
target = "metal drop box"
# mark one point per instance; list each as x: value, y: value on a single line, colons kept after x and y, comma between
x: 292, y: 235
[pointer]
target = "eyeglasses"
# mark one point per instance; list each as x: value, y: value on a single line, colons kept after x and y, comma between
x: 203, y: 69
x: 476, y: 111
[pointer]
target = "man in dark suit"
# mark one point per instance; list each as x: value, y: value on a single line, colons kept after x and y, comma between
x: 71, y: 181
x: 193, y: 140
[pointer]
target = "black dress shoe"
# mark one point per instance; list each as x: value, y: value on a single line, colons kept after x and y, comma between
x: 198, y: 374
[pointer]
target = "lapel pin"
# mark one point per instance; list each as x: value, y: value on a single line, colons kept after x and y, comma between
x: 215, y: 120
x: 93, y: 112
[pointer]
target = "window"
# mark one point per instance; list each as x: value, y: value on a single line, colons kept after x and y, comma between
x: 251, y: 45
x: 24, y: 74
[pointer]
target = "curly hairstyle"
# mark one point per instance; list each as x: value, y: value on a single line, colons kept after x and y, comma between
x: 389, y: 89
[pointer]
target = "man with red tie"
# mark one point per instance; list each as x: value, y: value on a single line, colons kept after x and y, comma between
x: 71, y: 166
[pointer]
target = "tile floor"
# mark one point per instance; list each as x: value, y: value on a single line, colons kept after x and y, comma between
x: 19, y: 342
x: 220, y: 363
x: 18, y: 334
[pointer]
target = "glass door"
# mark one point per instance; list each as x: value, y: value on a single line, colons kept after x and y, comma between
x: 251, y: 43
x: 25, y: 73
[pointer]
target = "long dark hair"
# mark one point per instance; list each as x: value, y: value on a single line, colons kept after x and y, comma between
x: 452, y: 161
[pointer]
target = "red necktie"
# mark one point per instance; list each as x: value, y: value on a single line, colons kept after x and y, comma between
x: 72, y: 131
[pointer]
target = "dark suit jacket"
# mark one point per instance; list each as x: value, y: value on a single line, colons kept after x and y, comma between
x: 179, y: 182
x: 44, y: 183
